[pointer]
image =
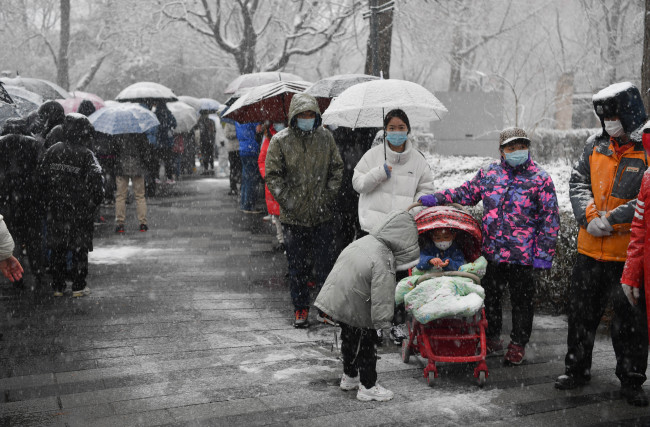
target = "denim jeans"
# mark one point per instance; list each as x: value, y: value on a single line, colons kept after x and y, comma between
x: 308, y: 249
x: 251, y: 181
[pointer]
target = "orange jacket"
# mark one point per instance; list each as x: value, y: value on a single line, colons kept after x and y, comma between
x: 602, y: 182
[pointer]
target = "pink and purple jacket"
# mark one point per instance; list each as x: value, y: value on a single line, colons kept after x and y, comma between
x: 520, y: 212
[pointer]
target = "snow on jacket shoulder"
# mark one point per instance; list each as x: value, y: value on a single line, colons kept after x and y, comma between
x: 637, y: 266
x: 360, y: 289
x: 410, y: 178
x: 521, y: 219
x: 602, y: 181
x: 6, y: 242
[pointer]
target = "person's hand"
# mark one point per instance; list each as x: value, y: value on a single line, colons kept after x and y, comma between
x: 606, y: 223
x: 631, y: 293
x: 388, y: 169
x: 597, y: 228
x: 428, y: 200
x: 11, y: 269
x: 437, y: 262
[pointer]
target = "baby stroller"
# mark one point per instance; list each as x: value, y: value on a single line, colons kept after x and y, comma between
x: 455, y: 340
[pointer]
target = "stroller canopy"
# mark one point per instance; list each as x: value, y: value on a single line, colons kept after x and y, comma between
x: 469, y: 240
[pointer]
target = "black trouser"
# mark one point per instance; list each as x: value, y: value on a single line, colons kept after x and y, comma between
x: 79, y: 270
x: 594, y: 284
x: 307, y: 248
x: 167, y: 156
x: 520, y: 281
x: 364, y: 361
x: 207, y: 156
x: 235, y: 169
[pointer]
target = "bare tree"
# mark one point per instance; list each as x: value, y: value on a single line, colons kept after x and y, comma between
x: 381, y: 33
x: 64, y: 40
x: 300, y: 28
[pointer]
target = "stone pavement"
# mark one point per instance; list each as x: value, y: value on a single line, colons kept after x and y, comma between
x: 190, y: 324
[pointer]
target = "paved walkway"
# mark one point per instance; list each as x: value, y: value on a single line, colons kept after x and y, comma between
x: 189, y: 324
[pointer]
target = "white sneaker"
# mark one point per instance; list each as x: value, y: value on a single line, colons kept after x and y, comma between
x: 377, y: 393
x: 82, y: 293
x: 267, y: 218
x: 349, y: 383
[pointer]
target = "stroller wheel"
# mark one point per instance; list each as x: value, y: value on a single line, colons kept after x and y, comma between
x: 481, y: 379
x: 431, y: 377
x: 406, y: 351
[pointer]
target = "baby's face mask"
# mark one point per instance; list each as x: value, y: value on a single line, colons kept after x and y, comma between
x: 443, y: 235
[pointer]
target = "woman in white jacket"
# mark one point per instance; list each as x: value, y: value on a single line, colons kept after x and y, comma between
x: 388, y: 177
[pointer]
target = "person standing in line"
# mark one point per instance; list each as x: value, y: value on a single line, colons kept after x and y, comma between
x: 72, y: 184
x: 234, y: 161
x: 165, y: 138
x: 603, y: 188
x: 520, y: 225
x: 272, y: 205
x: 132, y: 152
x: 251, y: 180
x: 303, y: 173
x: 208, y: 134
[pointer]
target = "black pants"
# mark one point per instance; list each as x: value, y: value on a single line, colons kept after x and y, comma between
x: 307, y: 248
x: 363, y: 362
x: 79, y: 270
x: 207, y: 156
x: 594, y: 284
x: 521, y: 284
x: 235, y: 169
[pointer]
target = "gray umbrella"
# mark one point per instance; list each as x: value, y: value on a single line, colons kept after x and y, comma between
x: 258, y: 79
x: 326, y: 89
x: 25, y: 101
x: 44, y: 88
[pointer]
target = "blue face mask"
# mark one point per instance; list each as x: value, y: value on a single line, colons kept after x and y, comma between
x: 278, y: 126
x: 305, y: 124
x: 396, y: 138
x: 516, y: 158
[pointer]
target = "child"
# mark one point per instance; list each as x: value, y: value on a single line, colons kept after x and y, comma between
x: 440, y: 252
x: 360, y: 294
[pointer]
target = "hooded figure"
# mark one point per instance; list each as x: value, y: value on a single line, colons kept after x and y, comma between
x: 303, y: 173
x: 86, y: 108
x: 360, y: 294
x: 50, y: 116
x: 603, y: 188
x: 19, y: 196
x: 72, y: 184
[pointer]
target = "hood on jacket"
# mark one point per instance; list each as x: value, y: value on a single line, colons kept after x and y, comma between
x: 622, y: 100
x: 300, y: 103
x: 78, y: 130
x: 86, y: 108
x: 50, y: 114
x: 399, y: 232
x: 16, y: 127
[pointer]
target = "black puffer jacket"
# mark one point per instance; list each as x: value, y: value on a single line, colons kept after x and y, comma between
x: 19, y: 198
x: 72, y: 184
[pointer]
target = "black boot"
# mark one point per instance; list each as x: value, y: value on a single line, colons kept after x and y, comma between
x: 634, y: 394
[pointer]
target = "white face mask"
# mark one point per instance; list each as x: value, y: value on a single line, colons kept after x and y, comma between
x: 614, y: 128
x: 444, y: 245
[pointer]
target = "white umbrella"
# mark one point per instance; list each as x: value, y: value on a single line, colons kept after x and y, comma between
x: 143, y: 91
x: 184, y: 114
x: 365, y: 104
x: 191, y: 101
x: 258, y: 79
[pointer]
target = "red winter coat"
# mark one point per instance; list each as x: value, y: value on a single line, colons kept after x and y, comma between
x: 271, y: 205
x: 637, y: 265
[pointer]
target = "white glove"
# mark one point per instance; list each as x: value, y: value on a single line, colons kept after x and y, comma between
x: 597, y: 228
x: 631, y: 293
x: 605, y: 221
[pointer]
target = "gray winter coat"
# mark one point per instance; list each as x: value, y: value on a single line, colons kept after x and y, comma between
x: 132, y: 153
x: 360, y: 289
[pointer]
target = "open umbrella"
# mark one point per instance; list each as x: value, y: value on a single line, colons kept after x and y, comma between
x: 365, y: 104
x: 25, y: 101
x: 44, y: 88
x: 267, y: 102
x: 258, y: 79
x: 326, y: 89
x: 4, y: 96
x: 209, y: 105
x: 184, y: 114
x: 71, y: 105
x: 7, y: 111
x: 123, y: 118
x: 192, y: 101
x: 144, y: 91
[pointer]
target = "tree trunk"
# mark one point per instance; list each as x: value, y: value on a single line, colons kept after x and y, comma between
x: 645, y: 67
x: 64, y: 40
x: 564, y: 101
x: 456, y: 62
x: 88, y: 77
x: 381, y: 33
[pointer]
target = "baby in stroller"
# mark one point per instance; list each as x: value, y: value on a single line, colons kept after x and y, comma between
x: 440, y: 252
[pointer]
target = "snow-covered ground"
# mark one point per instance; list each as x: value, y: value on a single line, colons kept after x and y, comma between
x: 452, y: 171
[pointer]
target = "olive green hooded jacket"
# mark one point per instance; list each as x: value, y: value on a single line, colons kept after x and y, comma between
x: 304, y: 169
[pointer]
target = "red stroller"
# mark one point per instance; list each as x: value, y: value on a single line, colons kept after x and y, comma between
x: 456, y: 340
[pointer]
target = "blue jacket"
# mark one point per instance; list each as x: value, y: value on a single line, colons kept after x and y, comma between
x: 430, y: 251
x: 248, y: 146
